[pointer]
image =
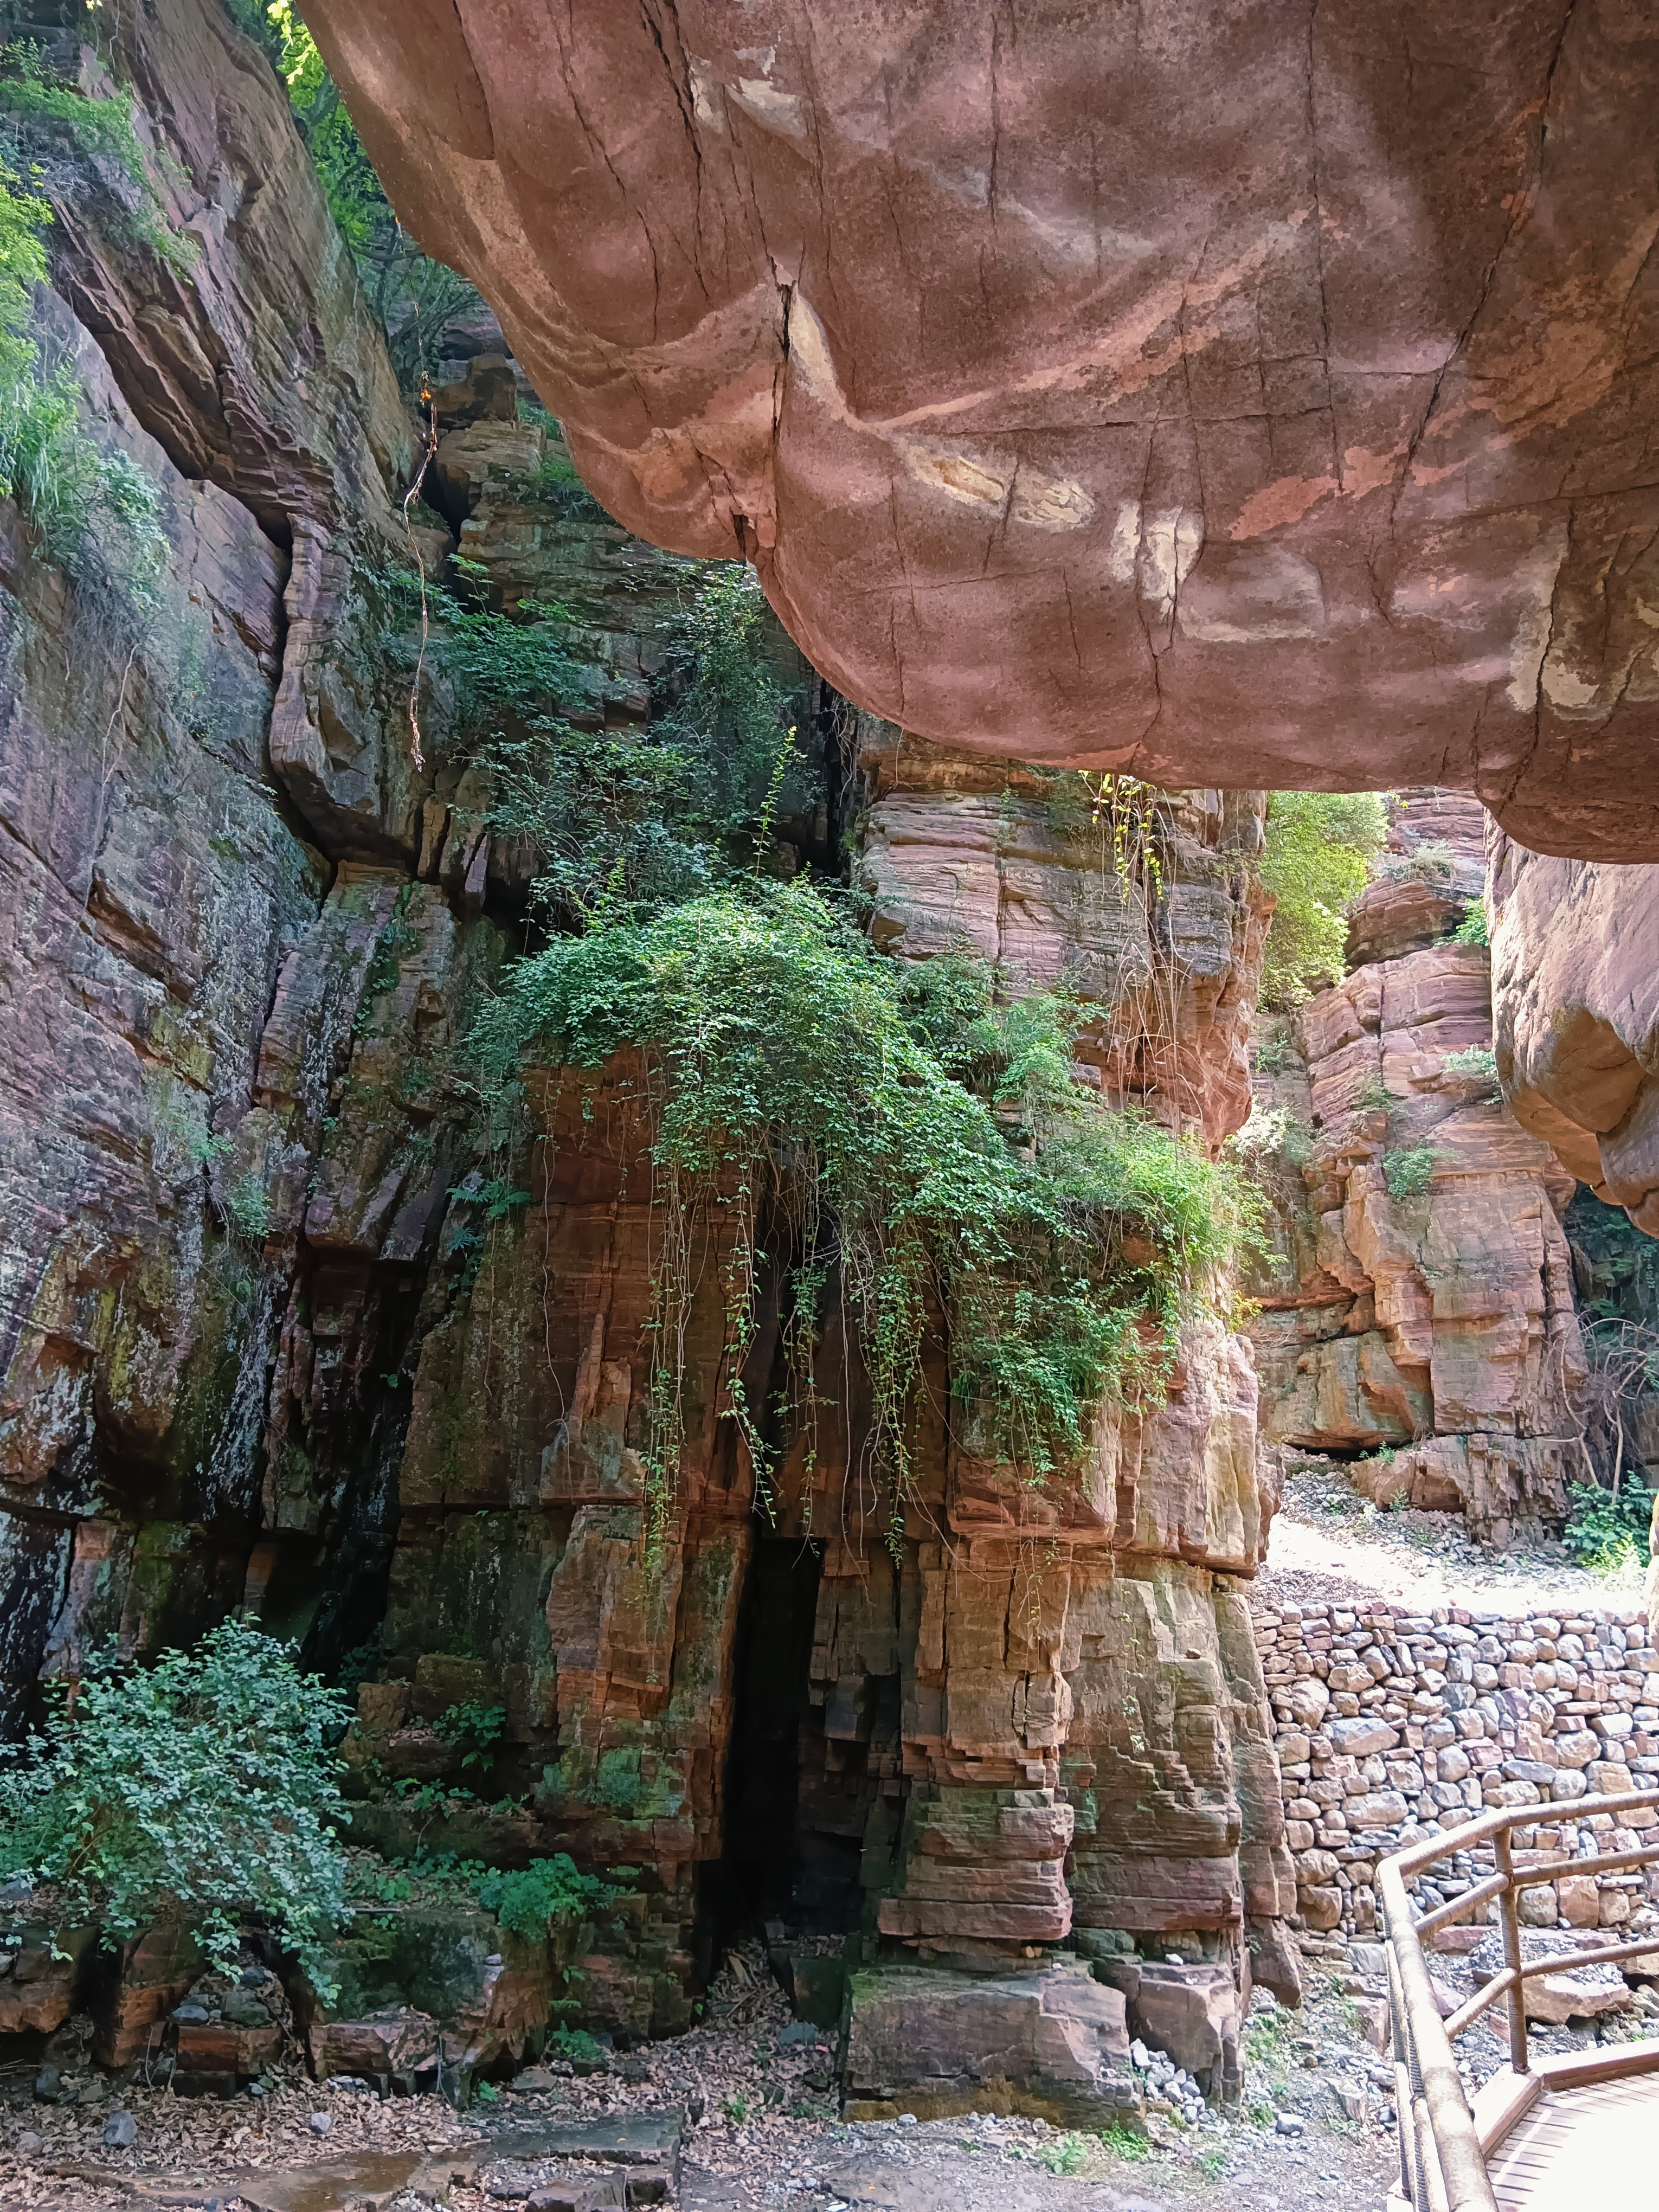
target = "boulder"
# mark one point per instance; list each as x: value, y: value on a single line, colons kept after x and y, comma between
x: 1051, y: 2041
x: 1189, y: 2013
x: 1571, y: 1993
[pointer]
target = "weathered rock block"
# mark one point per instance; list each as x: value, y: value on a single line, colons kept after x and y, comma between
x: 1052, y: 2041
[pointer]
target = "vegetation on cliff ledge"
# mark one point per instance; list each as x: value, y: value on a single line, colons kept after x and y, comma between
x: 816, y: 1106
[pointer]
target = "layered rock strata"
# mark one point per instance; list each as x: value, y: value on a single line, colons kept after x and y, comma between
x: 1576, y: 984
x: 1040, y: 1715
x: 281, y: 1335
x: 160, y: 887
x: 1158, y: 397
x: 1419, y: 1299
x: 1390, y: 1727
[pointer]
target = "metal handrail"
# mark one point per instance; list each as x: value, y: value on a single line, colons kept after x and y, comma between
x: 1442, y: 2167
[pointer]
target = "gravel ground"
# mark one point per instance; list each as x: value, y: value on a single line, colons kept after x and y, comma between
x: 760, y: 2135
x: 1330, y: 1545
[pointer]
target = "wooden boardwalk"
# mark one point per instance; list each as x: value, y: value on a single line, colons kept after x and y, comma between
x: 1596, y: 2149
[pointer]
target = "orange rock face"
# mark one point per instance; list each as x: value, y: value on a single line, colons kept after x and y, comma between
x: 1221, y: 398
x: 1016, y: 1711
x: 1575, y: 981
x: 1419, y: 1295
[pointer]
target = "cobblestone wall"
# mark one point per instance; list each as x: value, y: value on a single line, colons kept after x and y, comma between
x: 1390, y: 1724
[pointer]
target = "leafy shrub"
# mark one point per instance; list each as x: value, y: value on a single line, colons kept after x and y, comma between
x: 202, y: 1788
x: 1409, y: 1172
x: 91, y: 509
x: 1432, y: 862
x: 1608, y: 1532
x: 577, y: 2045
x: 782, y: 1069
x: 82, y: 147
x: 555, y: 482
x: 1478, y: 1063
x: 1316, y: 860
x: 1374, y: 1096
x: 477, y: 1726
x: 246, y: 1207
x: 623, y: 819
x: 528, y: 1900
x: 1475, y: 928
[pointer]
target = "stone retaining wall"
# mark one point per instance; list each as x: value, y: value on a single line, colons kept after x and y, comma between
x: 1390, y: 1724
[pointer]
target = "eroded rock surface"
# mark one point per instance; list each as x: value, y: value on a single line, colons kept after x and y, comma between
x: 1233, y: 399
x: 1018, y: 1712
x: 1419, y: 1296
x: 1576, y: 987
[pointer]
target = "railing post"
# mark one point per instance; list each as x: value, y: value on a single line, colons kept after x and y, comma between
x: 1509, y: 1916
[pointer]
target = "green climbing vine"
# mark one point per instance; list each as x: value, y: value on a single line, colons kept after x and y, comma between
x: 813, y: 1106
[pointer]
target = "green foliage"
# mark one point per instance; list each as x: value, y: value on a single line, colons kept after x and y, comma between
x: 1607, y: 1533
x: 1478, y: 1063
x: 624, y: 819
x: 478, y: 1727
x: 576, y: 2046
x: 96, y: 513
x: 1320, y: 848
x: 1069, y: 2155
x: 555, y: 482
x: 1126, y: 2143
x: 1409, y: 1172
x: 414, y: 297
x: 1374, y: 1096
x: 791, y: 1070
x: 1433, y: 862
x: 395, y: 940
x: 84, y: 148
x: 530, y: 1900
x: 731, y: 714
x: 246, y: 1207
x: 1475, y: 927
x: 1272, y: 1054
x: 201, y: 1790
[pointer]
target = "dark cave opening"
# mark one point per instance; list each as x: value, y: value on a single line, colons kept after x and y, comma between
x: 755, y: 1878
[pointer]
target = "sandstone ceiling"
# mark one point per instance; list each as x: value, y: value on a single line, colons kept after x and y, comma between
x: 1232, y: 394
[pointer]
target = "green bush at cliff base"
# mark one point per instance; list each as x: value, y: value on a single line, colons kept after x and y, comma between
x: 530, y: 1900
x: 202, y: 1789
x: 1607, y: 1533
x: 1319, y: 851
x: 906, y: 1130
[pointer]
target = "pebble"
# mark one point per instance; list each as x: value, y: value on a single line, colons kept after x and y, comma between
x: 321, y: 2123
x: 121, y: 2132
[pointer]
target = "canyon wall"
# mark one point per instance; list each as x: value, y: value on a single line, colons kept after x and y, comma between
x: 1016, y: 1714
x: 276, y: 1339
x: 1417, y: 1301
x: 162, y: 883
x: 1225, y: 397
x: 1576, y: 982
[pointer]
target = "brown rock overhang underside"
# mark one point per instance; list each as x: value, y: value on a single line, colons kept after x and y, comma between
x: 1244, y: 395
